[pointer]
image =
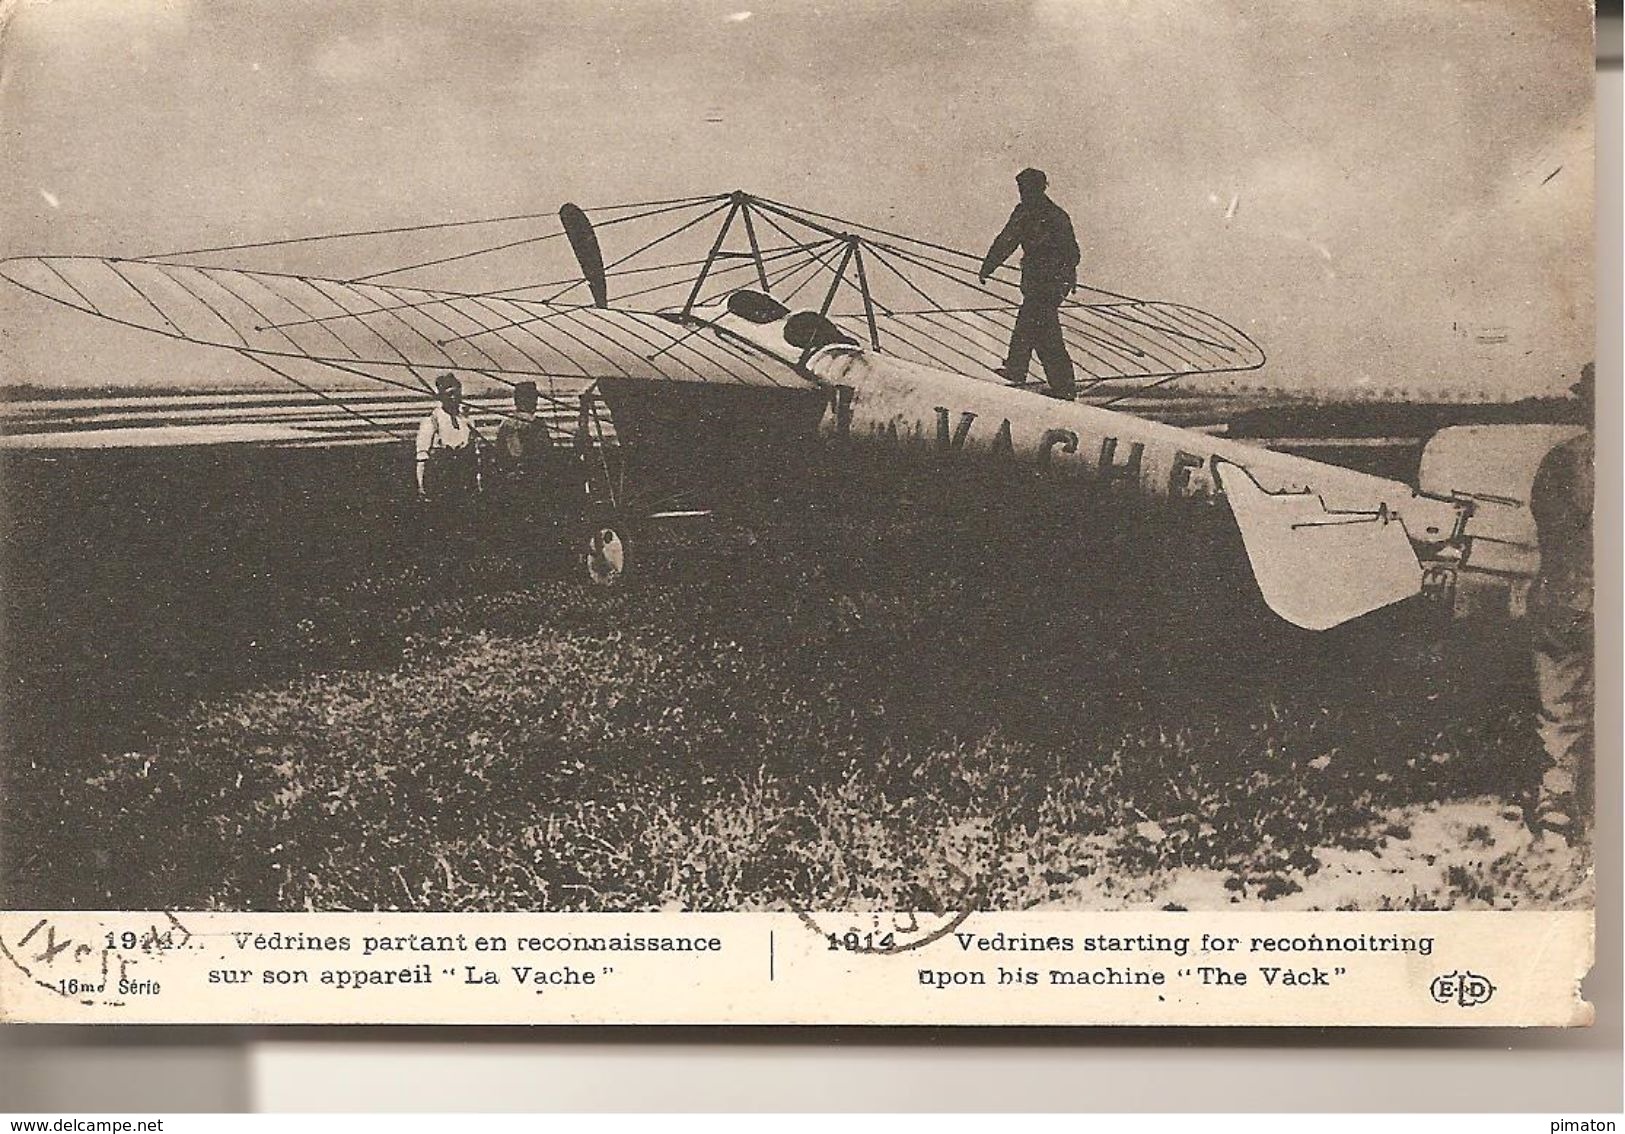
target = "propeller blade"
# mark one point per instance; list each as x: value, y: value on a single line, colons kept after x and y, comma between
x: 584, y: 243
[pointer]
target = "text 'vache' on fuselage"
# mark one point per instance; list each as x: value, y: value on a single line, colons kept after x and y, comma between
x: 874, y: 397
x: 1107, y: 459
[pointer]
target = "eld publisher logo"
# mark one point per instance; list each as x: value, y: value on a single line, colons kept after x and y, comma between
x: 1466, y: 989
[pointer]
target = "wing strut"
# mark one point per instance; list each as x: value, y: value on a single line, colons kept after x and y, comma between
x: 711, y: 257
x: 840, y: 274
x: 755, y: 248
x: 868, y: 300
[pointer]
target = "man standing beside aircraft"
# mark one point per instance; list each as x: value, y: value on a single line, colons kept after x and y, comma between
x: 523, y: 450
x: 1560, y: 616
x: 448, y: 471
x: 1049, y: 272
x: 448, y: 468
x: 522, y: 439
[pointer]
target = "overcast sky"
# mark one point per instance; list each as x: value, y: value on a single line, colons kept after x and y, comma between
x: 1378, y: 191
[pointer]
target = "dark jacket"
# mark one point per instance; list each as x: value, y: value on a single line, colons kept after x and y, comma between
x: 1561, y: 500
x: 1049, y: 249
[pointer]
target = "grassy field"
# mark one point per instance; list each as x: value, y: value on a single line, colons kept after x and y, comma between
x: 907, y: 706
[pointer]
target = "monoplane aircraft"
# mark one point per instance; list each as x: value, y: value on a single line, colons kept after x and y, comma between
x: 797, y: 331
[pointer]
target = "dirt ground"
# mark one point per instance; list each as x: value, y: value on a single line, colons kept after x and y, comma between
x: 222, y: 691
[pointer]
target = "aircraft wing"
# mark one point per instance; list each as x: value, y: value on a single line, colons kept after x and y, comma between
x: 1117, y: 340
x: 367, y: 328
x: 904, y: 296
x: 929, y: 303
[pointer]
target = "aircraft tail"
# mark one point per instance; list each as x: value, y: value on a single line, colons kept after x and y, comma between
x: 1318, y: 568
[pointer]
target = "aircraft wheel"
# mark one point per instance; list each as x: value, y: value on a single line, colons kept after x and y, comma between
x: 605, y: 556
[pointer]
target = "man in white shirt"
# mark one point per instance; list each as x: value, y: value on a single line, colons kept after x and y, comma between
x: 448, y: 457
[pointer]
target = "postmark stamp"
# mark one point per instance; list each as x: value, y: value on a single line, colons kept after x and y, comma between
x: 105, y: 968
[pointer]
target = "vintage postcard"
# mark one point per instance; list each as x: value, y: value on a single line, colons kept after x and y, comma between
x: 921, y: 512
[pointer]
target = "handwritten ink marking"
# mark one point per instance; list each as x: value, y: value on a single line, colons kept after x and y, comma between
x: 78, y: 970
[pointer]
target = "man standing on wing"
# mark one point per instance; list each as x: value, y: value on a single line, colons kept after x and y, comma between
x: 1049, y: 272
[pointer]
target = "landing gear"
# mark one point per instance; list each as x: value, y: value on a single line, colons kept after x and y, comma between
x: 605, y: 556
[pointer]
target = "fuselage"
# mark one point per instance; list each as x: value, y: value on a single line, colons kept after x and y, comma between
x: 873, y: 396
x: 1325, y: 543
